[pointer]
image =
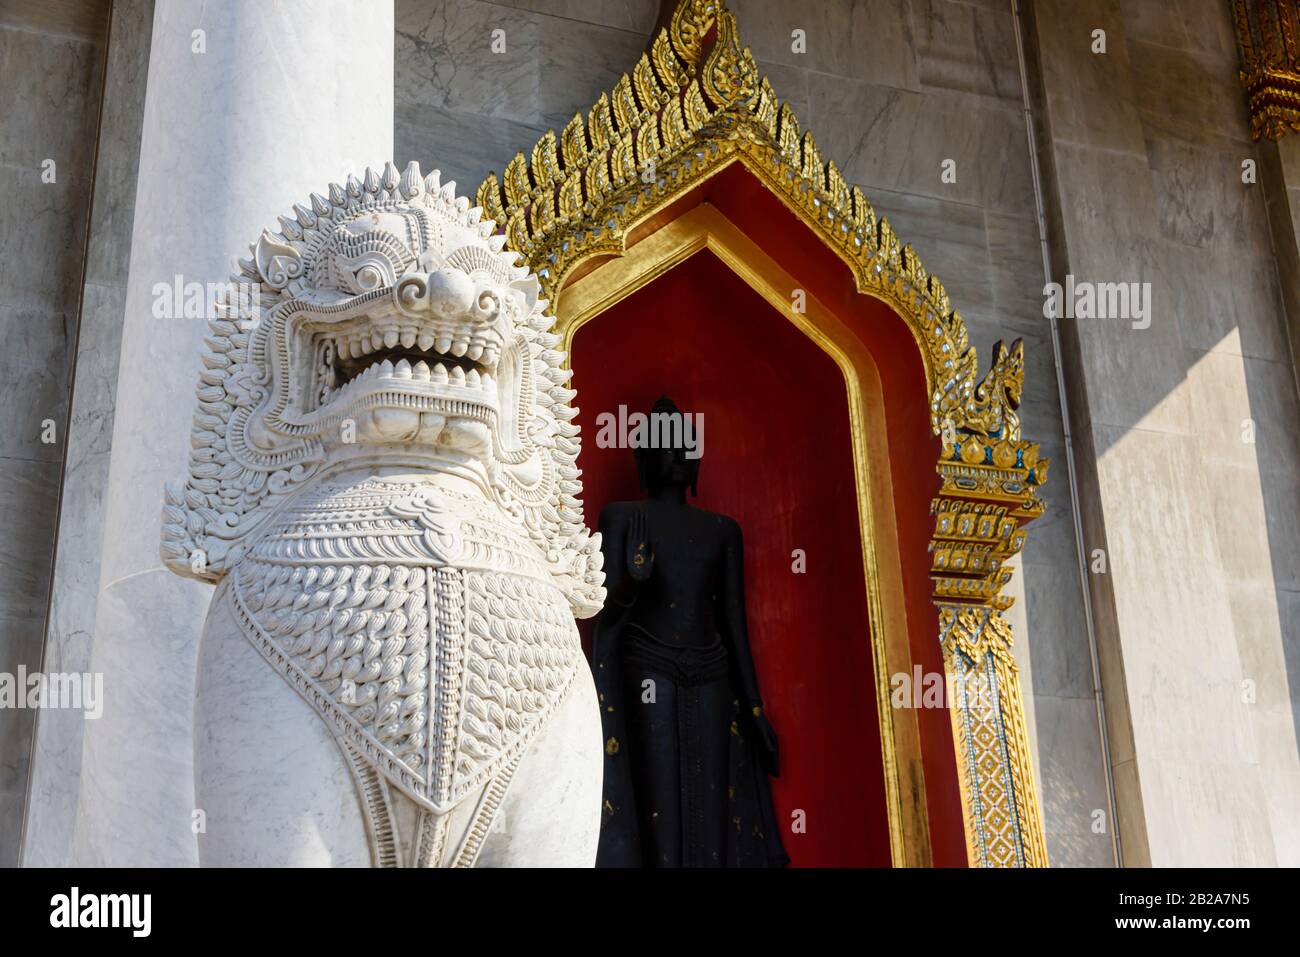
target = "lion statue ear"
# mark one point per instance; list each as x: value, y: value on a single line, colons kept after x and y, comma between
x: 277, y: 262
x: 531, y: 290
x: 539, y: 449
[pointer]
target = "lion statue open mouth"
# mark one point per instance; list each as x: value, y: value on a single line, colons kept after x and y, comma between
x: 383, y: 483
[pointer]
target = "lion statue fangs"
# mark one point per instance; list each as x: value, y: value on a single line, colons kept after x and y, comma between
x: 383, y: 485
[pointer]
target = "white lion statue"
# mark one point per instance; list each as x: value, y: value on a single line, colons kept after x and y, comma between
x: 383, y: 485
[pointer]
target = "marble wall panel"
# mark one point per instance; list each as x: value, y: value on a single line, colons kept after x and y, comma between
x: 1088, y: 97
x: 1190, y: 94
x: 964, y: 46
x: 1198, y: 519
x: 873, y: 41
x: 895, y: 139
x: 1279, y: 170
x: 20, y: 646
x: 638, y: 16
x: 34, y: 368
x: 57, y: 747
x: 28, y: 501
x: 50, y: 70
x: 446, y: 58
x: 1072, y: 782
x: 463, y: 147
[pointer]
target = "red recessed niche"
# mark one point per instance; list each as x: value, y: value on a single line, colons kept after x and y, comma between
x: 778, y: 457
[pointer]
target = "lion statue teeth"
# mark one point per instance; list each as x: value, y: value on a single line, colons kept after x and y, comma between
x: 383, y: 485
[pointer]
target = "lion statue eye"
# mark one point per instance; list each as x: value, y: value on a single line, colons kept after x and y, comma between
x: 365, y: 261
x: 367, y: 271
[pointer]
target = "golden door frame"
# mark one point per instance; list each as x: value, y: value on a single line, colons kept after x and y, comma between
x: 705, y: 228
x: 589, y: 212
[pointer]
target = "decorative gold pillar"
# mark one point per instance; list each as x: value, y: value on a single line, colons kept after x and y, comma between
x: 1268, y: 37
x: 990, y: 487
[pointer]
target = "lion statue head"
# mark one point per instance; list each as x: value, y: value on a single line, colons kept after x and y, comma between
x: 382, y: 325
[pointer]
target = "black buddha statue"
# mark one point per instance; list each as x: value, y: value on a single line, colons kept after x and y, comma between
x: 687, y: 746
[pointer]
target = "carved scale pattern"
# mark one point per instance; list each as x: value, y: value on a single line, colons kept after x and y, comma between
x: 360, y: 633
x: 438, y: 665
x: 520, y: 652
x: 1002, y: 824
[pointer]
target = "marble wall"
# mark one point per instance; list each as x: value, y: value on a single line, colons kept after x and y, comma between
x: 1187, y: 428
x: 50, y: 72
x: 56, y: 754
x: 1279, y: 174
x: 891, y: 89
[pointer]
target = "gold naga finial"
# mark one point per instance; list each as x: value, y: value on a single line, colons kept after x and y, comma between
x: 997, y: 397
x: 729, y: 74
x: 688, y: 26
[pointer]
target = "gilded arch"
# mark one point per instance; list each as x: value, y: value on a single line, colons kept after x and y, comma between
x: 693, y: 105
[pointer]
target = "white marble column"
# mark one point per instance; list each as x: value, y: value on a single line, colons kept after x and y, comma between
x: 268, y: 103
